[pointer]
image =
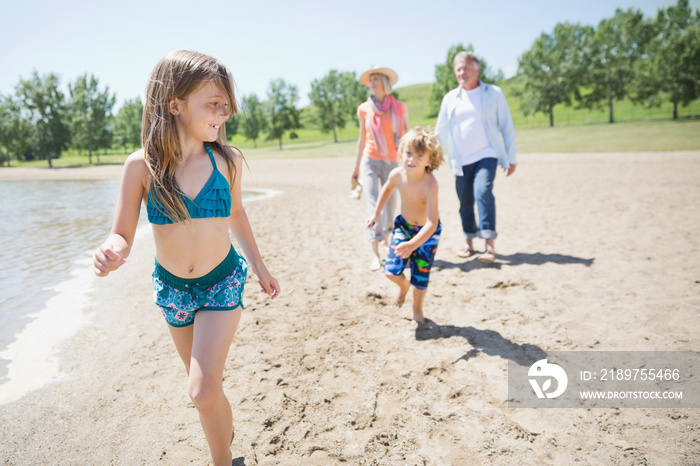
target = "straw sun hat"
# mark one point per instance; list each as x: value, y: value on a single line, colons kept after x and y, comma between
x: 388, y: 72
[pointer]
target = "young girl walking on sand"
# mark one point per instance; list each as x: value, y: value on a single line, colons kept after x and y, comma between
x: 188, y: 178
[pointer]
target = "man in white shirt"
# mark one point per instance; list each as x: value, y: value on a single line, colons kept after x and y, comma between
x: 475, y: 126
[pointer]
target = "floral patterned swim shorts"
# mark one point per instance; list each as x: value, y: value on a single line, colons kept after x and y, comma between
x: 219, y: 290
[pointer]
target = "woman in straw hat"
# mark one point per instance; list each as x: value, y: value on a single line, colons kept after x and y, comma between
x: 383, y: 120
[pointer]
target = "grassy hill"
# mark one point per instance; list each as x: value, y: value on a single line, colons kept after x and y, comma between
x: 623, y: 111
x: 417, y: 98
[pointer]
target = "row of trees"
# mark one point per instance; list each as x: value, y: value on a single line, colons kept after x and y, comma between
x: 39, y: 121
x: 627, y: 56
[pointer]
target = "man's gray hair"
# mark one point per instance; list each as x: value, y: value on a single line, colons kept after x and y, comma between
x: 466, y: 56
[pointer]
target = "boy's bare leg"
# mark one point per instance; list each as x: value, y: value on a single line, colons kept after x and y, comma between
x: 404, y: 286
x: 418, y: 297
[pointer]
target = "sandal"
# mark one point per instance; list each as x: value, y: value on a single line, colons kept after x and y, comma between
x: 466, y: 252
x: 488, y: 257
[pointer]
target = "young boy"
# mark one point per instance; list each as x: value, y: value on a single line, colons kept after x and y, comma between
x: 417, y: 229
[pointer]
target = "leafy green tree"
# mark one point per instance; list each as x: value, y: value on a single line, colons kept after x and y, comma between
x: 672, y: 66
x: 335, y: 98
x: 48, y: 114
x: 15, y: 130
x: 231, y: 126
x: 616, y: 45
x: 281, y: 109
x: 90, y: 109
x: 445, y: 79
x: 554, y: 68
x: 127, y: 124
x: 253, y: 120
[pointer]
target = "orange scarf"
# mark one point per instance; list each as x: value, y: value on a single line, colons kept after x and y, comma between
x: 390, y: 105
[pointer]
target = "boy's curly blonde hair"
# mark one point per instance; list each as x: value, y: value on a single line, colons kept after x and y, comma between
x: 423, y: 141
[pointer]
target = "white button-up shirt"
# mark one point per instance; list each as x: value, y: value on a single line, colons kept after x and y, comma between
x: 496, y: 121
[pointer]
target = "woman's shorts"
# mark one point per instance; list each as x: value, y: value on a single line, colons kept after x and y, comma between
x: 421, y: 259
x: 219, y: 290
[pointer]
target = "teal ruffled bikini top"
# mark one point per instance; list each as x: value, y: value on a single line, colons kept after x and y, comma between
x: 214, y: 200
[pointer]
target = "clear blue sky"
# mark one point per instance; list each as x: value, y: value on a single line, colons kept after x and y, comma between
x: 260, y: 40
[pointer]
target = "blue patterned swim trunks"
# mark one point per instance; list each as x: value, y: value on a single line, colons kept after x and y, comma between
x: 219, y: 290
x: 421, y: 259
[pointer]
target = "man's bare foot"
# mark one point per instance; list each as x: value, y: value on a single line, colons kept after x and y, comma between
x: 490, y: 254
x: 401, y: 297
x: 488, y: 257
x: 466, y: 252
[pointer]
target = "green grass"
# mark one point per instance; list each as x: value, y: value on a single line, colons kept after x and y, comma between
x: 575, y: 130
x: 623, y: 111
x: 637, y: 136
x: 417, y: 98
x: 71, y: 159
x: 319, y: 149
x: 666, y: 135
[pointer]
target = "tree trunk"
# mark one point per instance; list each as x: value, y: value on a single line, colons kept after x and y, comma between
x: 551, y: 115
x: 48, y: 157
x: 335, y: 135
x: 610, y: 103
x: 255, y: 143
x: 280, y: 142
x: 675, y: 110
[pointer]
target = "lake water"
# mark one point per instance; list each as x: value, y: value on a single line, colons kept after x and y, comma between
x: 48, y: 232
x: 47, y: 229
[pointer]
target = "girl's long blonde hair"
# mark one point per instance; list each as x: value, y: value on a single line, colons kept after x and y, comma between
x: 176, y: 76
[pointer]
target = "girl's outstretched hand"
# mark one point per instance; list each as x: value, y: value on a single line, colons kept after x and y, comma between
x: 268, y: 284
x: 107, y: 259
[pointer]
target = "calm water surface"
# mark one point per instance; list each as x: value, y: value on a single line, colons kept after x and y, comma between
x: 45, y: 226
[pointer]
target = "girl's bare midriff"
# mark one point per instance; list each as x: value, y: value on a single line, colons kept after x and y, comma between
x: 192, y: 251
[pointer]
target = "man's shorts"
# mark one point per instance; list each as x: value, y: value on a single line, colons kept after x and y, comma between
x: 421, y: 259
x: 219, y: 290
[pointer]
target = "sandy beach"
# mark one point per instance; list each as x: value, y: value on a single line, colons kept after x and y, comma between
x: 595, y: 252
